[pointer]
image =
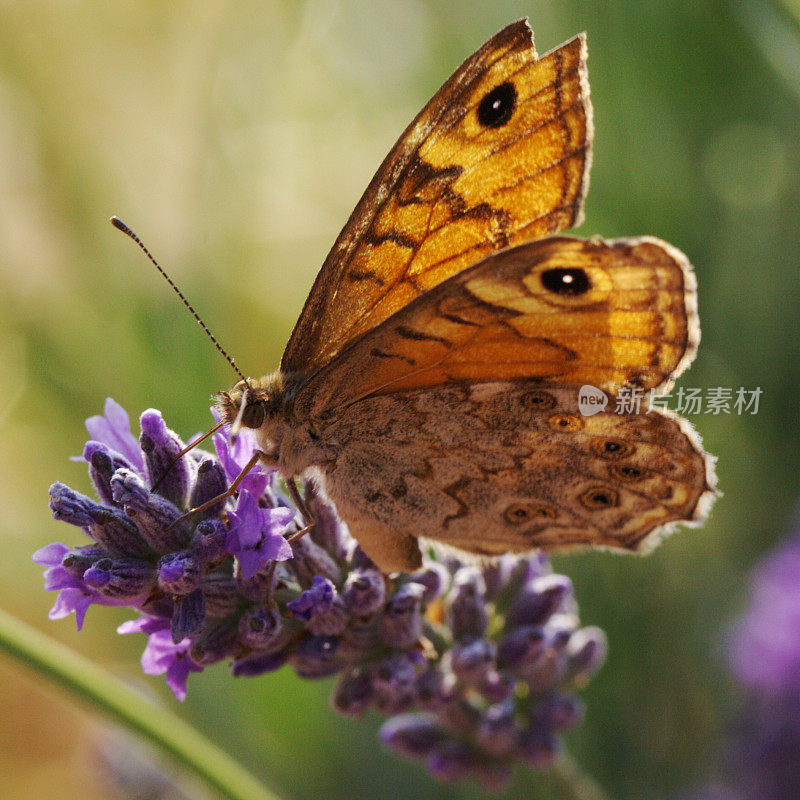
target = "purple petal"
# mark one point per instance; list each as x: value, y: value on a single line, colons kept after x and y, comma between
x: 114, y: 429
x: 51, y: 554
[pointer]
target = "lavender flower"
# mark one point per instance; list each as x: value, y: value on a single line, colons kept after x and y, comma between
x: 765, y: 656
x: 474, y: 666
x: 762, y: 758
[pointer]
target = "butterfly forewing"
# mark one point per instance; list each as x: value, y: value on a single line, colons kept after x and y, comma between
x: 498, y: 156
x: 561, y: 310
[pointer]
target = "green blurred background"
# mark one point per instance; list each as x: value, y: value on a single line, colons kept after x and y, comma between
x: 236, y: 138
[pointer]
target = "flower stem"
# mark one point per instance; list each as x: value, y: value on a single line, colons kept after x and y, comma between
x: 86, y: 680
x: 575, y: 784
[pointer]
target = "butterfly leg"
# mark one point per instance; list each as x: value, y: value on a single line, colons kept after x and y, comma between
x: 299, y: 500
x: 229, y: 492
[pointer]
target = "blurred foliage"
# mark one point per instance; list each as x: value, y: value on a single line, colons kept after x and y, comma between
x: 236, y: 138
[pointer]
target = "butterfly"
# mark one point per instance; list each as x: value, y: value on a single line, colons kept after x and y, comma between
x: 430, y: 386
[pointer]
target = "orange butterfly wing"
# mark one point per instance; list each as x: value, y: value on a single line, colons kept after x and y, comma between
x: 500, y: 155
x: 562, y: 310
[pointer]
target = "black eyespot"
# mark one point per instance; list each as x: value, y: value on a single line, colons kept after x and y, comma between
x: 253, y: 415
x: 612, y: 449
x: 537, y: 400
x: 517, y: 513
x: 496, y: 108
x: 597, y: 498
x: 566, y: 422
x: 625, y: 473
x: 569, y: 282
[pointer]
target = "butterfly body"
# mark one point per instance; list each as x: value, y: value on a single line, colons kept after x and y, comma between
x: 431, y: 383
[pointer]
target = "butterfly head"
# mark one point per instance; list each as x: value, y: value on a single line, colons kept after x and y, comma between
x: 259, y: 404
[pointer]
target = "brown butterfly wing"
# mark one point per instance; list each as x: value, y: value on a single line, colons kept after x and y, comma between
x: 500, y: 155
x: 504, y: 467
x: 562, y: 310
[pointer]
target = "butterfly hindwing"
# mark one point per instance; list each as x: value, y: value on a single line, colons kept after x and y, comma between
x: 498, y: 156
x: 509, y: 466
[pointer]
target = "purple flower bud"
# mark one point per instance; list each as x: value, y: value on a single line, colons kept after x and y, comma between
x: 435, y: 577
x: 328, y: 531
x: 109, y: 527
x: 188, y: 616
x: 215, y: 644
x: 262, y: 584
x: 586, y: 652
x: 472, y: 660
x: 316, y: 657
x: 538, y: 747
x: 310, y: 560
x: 557, y: 712
x: 259, y: 664
x: 120, y: 578
x: 468, y: 616
x: 209, y: 541
x: 412, y: 735
x: 548, y: 671
x: 221, y: 593
x: 496, y: 686
x: 354, y: 693
x: 395, y: 681
x: 211, y: 482
x: 98, y: 575
x: 461, y: 714
x: 505, y: 576
x: 401, y: 624
x: 450, y: 760
x: 321, y: 606
x: 152, y: 513
x: 498, y: 731
x: 435, y: 688
x: 538, y: 599
x: 361, y: 640
x: 103, y: 463
x: 262, y: 628
x: 79, y: 559
x: 559, y: 629
x: 357, y: 558
x: 520, y: 650
x: 364, y: 591
x: 160, y: 446
x: 179, y: 573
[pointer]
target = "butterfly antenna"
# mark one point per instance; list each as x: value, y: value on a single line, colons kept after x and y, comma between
x: 120, y: 225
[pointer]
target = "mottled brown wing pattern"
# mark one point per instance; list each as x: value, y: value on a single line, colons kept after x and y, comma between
x: 500, y: 155
x: 504, y: 467
x: 561, y: 310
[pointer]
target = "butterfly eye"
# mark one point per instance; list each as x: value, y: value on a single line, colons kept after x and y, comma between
x: 571, y: 282
x: 253, y: 415
x: 496, y: 108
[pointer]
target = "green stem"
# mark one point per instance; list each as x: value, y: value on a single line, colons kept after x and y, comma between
x: 574, y: 783
x: 84, y: 679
